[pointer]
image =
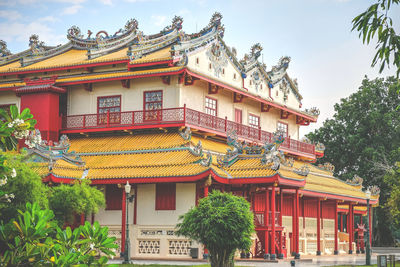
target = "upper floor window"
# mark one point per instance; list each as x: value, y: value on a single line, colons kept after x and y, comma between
x: 166, y: 196
x: 234, y: 76
x: 283, y: 127
x: 109, y: 104
x: 211, y: 106
x: 153, y: 100
x: 254, y: 121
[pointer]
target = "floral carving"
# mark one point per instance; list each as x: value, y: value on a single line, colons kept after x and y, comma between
x: 216, y: 55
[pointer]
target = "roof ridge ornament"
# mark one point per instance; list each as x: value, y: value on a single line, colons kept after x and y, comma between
x: 36, y: 46
x: 374, y: 189
x: 187, y: 134
x: 327, y: 166
x: 356, y: 181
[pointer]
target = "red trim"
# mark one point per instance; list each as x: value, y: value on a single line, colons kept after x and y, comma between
x: 336, y: 226
x: 285, y: 114
x: 123, y: 77
x: 137, y: 65
x: 166, y: 79
x: 212, y: 89
x: 265, y: 107
x: 238, y: 116
x: 318, y: 225
x: 80, y: 66
x: 251, y: 96
x: 126, y: 83
x: 273, y: 206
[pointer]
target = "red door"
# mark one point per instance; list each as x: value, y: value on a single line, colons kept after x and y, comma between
x: 238, y: 116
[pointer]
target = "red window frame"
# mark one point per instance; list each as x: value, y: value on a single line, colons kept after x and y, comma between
x: 238, y: 116
x: 115, y: 116
x: 252, y: 119
x: 151, y: 114
x: 113, y: 197
x: 166, y: 196
x: 284, y: 128
x: 213, y: 109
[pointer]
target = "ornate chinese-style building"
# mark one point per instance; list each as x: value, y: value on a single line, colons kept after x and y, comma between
x: 177, y: 115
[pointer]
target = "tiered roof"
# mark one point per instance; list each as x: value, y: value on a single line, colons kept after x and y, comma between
x: 179, y: 157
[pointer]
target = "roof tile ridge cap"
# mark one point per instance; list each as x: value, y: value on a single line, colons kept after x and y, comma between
x: 138, y: 151
x: 334, y: 186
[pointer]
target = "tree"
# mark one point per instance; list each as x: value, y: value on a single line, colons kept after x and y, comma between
x: 22, y: 183
x: 223, y: 223
x: 80, y: 198
x: 14, y: 126
x: 363, y: 138
x: 376, y: 20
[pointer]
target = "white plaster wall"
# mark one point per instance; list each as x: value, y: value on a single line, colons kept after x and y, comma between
x: 9, y: 97
x: 146, y: 199
x: 81, y: 101
x: 109, y: 217
x: 203, y: 68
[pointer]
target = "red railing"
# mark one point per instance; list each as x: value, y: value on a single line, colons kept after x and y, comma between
x: 259, y: 218
x: 183, y: 116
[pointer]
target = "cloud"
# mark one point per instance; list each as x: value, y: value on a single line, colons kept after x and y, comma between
x: 71, y: 9
x: 48, y: 19
x: 107, y: 2
x: 10, y: 14
x: 159, y: 20
x: 21, y: 32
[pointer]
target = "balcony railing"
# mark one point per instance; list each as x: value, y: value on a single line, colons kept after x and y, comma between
x: 259, y: 218
x: 177, y: 117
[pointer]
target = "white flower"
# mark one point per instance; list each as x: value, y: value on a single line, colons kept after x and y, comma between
x: 12, y: 196
x: 92, y: 246
x: 13, y: 173
x: 10, y: 125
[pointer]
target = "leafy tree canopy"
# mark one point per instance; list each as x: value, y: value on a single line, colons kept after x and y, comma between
x: 363, y: 138
x: 223, y: 222
x: 80, y: 198
x: 375, y: 21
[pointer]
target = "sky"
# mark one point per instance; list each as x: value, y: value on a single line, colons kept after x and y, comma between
x: 328, y: 60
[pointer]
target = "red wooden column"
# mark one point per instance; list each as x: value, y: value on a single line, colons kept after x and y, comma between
x: 350, y: 227
x: 266, y: 221
x: 297, y: 225
x: 294, y: 225
x: 123, y: 230
x: 83, y: 219
x: 318, y: 227
x: 206, y: 191
x: 336, y: 251
x: 273, y: 232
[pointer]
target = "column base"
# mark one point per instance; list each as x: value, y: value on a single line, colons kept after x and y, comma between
x: 362, y: 251
x: 266, y: 256
x: 357, y: 251
x: 272, y: 257
x: 350, y: 251
x: 336, y: 252
x: 293, y: 253
x: 280, y: 256
x: 297, y: 256
x: 318, y: 253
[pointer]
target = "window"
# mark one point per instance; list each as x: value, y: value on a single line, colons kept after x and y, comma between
x: 113, y: 197
x: 254, y: 121
x: 209, y: 66
x: 238, y: 115
x: 211, y: 106
x: 234, y: 76
x: 223, y: 72
x: 109, y: 104
x: 283, y: 127
x: 165, y: 196
x: 197, y: 60
x: 152, y: 101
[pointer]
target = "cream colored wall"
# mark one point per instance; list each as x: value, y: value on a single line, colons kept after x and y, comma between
x: 108, y: 217
x: 203, y: 68
x: 194, y: 97
x: 81, y: 101
x: 9, y: 97
x: 146, y: 197
x: 277, y: 95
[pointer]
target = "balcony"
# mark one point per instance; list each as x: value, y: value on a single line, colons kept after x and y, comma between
x: 259, y: 218
x: 177, y: 117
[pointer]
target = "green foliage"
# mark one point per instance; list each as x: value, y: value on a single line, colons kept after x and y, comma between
x: 363, y: 138
x: 34, y: 239
x: 375, y: 20
x: 223, y: 222
x: 80, y: 198
x: 26, y: 186
x: 392, y: 178
x: 14, y: 126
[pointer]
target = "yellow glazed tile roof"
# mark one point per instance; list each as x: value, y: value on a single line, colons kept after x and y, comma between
x: 244, y: 168
x: 127, y: 142
x: 117, y: 74
x: 9, y: 66
x: 159, y: 55
x: 210, y: 145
